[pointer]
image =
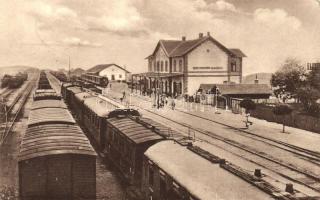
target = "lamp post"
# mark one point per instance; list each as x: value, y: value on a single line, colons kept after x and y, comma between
x: 216, y: 107
x: 215, y: 91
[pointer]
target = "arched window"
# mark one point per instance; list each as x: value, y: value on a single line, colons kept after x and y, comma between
x: 161, y: 66
x: 174, y: 65
x: 180, y: 65
x: 166, y: 66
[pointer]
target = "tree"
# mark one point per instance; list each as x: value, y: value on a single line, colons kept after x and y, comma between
x: 282, y: 110
x: 308, y: 96
x: 310, y: 92
x: 288, y: 79
x: 313, y: 78
x: 249, y: 105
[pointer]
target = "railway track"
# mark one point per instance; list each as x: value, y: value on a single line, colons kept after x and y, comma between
x: 293, y: 173
x: 304, y: 153
x: 313, y: 155
x: 14, y: 110
x: 5, y: 94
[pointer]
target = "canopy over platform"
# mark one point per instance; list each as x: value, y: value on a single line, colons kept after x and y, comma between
x: 158, y: 75
x: 239, y: 89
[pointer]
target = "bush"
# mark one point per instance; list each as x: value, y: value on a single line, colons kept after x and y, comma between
x: 247, y: 104
x: 282, y: 109
x: 314, y: 110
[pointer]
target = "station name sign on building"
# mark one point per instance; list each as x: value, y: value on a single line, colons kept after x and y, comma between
x: 207, y: 68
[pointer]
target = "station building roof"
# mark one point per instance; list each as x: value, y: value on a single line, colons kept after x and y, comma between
x: 49, y: 116
x: 48, y: 103
x: 54, y: 139
x: 175, y: 48
x: 200, y: 177
x: 98, y: 68
x: 135, y: 131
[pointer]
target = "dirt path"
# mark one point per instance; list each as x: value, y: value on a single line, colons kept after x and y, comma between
x: 9, y: 151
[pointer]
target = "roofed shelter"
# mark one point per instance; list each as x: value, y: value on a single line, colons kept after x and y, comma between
x: 230, y: 95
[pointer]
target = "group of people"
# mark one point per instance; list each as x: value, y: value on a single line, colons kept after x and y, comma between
x: 164, y: 100
x: 161, y: 101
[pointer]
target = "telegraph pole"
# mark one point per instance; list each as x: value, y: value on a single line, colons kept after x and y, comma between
x: 69, y: 70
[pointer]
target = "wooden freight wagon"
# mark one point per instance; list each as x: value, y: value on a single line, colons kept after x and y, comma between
x: 56, y: 161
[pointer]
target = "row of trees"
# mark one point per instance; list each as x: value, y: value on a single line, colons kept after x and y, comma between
x: 293, y: 82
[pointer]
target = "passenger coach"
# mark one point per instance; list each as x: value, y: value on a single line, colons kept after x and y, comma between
x: 127, y: 139
x: 97, y: 80
x: 95, y: 111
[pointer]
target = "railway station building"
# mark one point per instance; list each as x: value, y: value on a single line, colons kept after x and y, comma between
x: 112, y: 71
x: 178, y: 67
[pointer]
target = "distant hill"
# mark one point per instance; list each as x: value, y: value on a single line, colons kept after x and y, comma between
x: 264, y: 78
x: 77, y: 72
x: 15, y: 69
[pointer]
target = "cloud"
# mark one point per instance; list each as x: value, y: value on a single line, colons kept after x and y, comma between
x: 223, y: 5
x: 41, y: 9
x: 276, y: 17
x: 220, y: 5
x: 120, y: 17
x: 75, y: 41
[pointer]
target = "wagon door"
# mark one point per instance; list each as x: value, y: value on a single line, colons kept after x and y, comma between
x: 59, y: 177
x: 33, y: 178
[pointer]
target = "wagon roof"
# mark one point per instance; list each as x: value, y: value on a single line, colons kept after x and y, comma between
x: 45, y: 91
x: 200, y: 177
x: 48, y: 103
x: 50, y: 115
x: 53, y: 139
x: 99, y: 106
x: 134, y: 130
x: 75, y: 89
x: 67, y: 84
x: 82, y: 95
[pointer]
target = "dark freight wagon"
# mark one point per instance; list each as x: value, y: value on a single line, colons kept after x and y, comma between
x: 56, y: 161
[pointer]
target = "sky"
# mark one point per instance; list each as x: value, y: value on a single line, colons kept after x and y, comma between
x: 45, y: 34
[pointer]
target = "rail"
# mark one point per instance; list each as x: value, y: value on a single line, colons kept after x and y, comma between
x: 10, y: 122
x: 309, y: 178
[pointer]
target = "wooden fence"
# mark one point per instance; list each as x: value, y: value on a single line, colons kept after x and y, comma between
x: 295, y: 119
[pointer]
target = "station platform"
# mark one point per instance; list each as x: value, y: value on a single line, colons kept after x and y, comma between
x: 294, y: 136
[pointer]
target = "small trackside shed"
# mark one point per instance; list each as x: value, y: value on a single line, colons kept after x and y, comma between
x: 56, y: 161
